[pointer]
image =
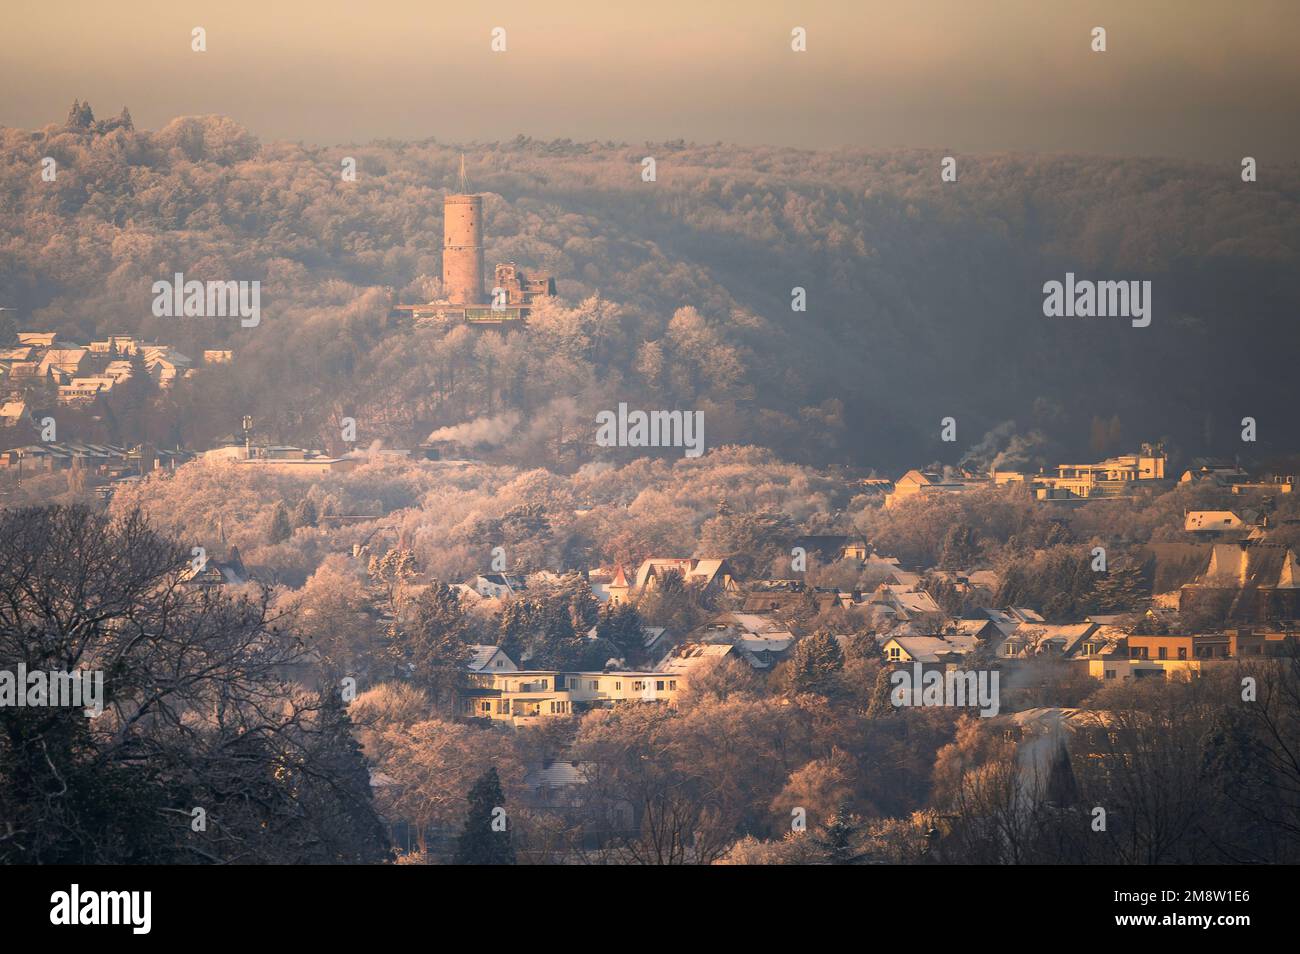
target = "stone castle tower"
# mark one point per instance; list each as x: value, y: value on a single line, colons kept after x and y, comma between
x: 462, y: 246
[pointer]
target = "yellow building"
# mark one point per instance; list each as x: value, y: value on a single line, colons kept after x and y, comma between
x: 523, y: 697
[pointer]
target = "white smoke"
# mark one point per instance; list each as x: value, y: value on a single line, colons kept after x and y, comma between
x: 485, y: 431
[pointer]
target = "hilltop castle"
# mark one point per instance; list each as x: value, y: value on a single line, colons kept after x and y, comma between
x: 512, y: 293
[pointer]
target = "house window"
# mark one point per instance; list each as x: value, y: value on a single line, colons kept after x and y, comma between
x: 672, y: 684
x: 894, y: 652
x: 1110, y: 673
x: 1164, y: 653
x: 659, y: 685
x: 1182, y: 652
x: 618, y: 685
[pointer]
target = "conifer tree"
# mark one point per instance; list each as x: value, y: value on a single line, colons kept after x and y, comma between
x: 485, y: 839
x: 816, y: 659
x: 281, y: 529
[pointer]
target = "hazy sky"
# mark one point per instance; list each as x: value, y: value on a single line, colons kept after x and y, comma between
x: 1191, y: 78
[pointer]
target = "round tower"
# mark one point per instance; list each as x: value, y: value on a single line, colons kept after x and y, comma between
x: 462, y: 249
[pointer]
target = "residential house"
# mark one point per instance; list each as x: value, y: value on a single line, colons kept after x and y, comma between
x: 766, y: 596
x: 832, y: 548
x: 63, y: 364
x: 951, y: 649
x: 759, y: 640
x: 712, y: 575
x: 489, y: 660
x: 1112, y: 477
x: 13, y: 413
x: 524, y: 697
x: 905, y: 605
x: 1247, y: 582
x: 216, y: 573
x: 1045, y: 639
x: 918, y: 483
x: 499, y: 585
x: 1221, y: 523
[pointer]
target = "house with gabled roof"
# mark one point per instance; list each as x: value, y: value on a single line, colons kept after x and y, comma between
x: 1245, y: 581
x: 64, y: 364
x: 489, y: 659
x: 499, y: 585
x: 928, y: 649
x: 215, y: 573
x: 1042, y: 639
x: 707, y: 575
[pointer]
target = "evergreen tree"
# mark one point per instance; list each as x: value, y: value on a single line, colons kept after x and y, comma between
x: 836, y: 838
x: 345, y: 827
x: 1120, y: 588
x: 621, y: 625
x: 80, y: 116
x: 583, y: 607
x: 437, y: 643
x: 8, y: 329
x: 814, y: 663
x: 281, y: 529
x: 304, y: 515
x: 515, y: 625
x: 959, y: 548
x: 881, y: 702
x: 485, y: 839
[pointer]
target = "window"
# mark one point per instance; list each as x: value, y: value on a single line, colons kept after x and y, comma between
x: 1164, y: 653
x: 618, y: 685
x: 672, y: 684
x: 1182, y: 652
x: 1110, y: 673
x: 894, y: 652
x: 659, y: 685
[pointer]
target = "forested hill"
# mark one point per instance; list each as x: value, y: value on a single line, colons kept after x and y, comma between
x: 924, y: 298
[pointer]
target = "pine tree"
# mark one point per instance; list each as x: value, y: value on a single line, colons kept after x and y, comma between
x: 485, y: 839
x: 437, y: 643
x: 881, y: 695
x: 304, y: 515
x: 816, y: 659
x: 1120, y: 588
x: 836, y: 837
x: 343, y: 815
x: 959, y: 548
x: 80, y: 116
x: 621, y: 625
x: 281, y: 529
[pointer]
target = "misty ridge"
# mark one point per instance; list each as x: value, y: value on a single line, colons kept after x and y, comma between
x: 924, y: 298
